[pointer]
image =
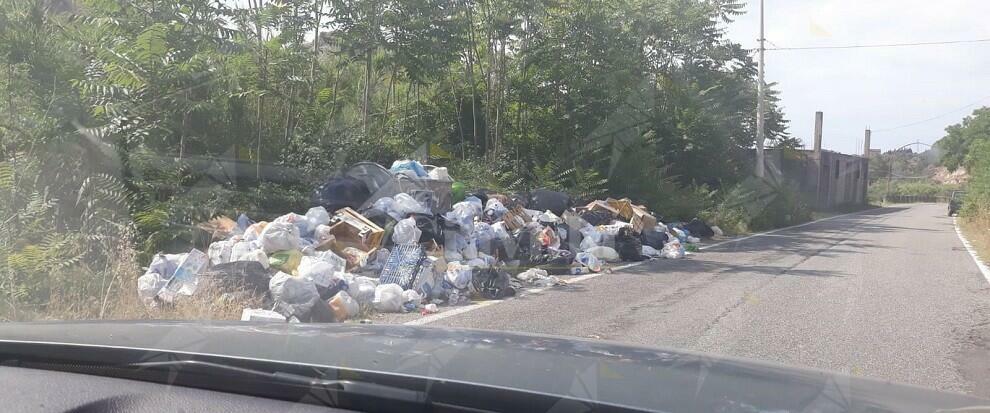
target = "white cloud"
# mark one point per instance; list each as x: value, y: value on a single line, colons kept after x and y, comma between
x: 880, y: 88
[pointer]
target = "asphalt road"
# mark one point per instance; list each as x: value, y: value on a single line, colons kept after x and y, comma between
x: 887, y: 293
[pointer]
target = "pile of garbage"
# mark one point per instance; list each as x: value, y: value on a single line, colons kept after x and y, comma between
x: 409, y: 238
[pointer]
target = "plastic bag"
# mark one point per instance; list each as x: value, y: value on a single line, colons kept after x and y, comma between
x: 673, y: 249
x: 297, y: 295
x: 261, y: 315
x: 458, y: 275
x: 593, y: 233
x: 588, y: 243
x: 322, y: 233
x: 717, y: 232
x: 411, y: 296
x: 548, y: 238
x: 650, y: 251
x: 184, y: 280
x: 484, y: 234
x: 320, y: 271
x: 300, y: 221
x: 406, y: 204
x: 279, y: 236
x: 362, y: 289
x: 606, y: 254
x: 588, y: 260
x: 406, y: 232
x: 628, y: 245
x: 680, y: 234
x: 439, y: 173
x: 548, y: 217
x: 344, y: 306
x: 498, y: 229
x: 532, y: 274
x: 220, y: 252
x: 403, y: 165
x: 317, y: 216
x: 494, y: 209
x: 285, y: 261
x: 693, y: 240
x: 149, y: 285
x: 462, y: 214
x: 388, y: 298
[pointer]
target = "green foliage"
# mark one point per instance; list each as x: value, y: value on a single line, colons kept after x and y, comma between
x: 960, y: 138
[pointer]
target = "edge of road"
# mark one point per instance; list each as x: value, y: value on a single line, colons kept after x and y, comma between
x: 972, y: 251
x: 471, y: 307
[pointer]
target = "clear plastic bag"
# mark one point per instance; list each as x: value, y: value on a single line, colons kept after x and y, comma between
x: 296, y: 294
x: 589, y: 260
x: 458, y: 275
x: 279, y: 236
x: 317, y: 216
x: 388, y: 298
x: 406, y: 232
x: 362, y: 289
x: 344, y: 306
x: 606, y: 254
x: 405, y: 204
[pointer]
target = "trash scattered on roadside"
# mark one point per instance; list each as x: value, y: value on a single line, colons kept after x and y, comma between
x: 408, y: 239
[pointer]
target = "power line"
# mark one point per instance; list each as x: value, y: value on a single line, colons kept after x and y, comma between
x: 879, y: 45
x: 933, y: 117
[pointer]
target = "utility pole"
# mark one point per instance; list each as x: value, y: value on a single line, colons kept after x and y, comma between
x: 760, y: 134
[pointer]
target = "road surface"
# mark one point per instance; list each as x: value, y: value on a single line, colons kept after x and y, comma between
x: 888, y: 293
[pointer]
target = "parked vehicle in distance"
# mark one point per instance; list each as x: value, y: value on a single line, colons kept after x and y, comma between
x: 955, y: 201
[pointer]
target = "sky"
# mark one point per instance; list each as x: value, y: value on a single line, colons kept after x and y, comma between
x: 879, y: 88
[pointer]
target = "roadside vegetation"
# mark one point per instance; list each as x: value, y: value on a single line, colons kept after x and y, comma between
x: 967, y: 144
x: 111, y: 112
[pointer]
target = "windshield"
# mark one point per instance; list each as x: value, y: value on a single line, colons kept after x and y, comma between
x: 765, y: 181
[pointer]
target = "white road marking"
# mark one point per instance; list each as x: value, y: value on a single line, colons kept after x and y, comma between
x: 461, y: 310
x: 972, y: 251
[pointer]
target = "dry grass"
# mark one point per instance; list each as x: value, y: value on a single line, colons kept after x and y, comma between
x: 977, y: 231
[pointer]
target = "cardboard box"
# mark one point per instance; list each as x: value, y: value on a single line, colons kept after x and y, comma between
x: 351, y: 229
x: 641, y: 219
x: 602, y: 206
x: 624, y: 207
x: 516, y: 218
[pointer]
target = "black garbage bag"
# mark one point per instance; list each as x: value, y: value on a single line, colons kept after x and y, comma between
x: 554, y: 261
x: 518, y: 199
x: 250, y: 275
x: 322, y: 313
x: 597, y: 217
x: 653, y: 238
x: 493, y: 283
x: 699, y: 229
x: 431, y: 226
x: 526, y: 244
x: 340, y: 192
x: 628, y: 245
x: 544, y: 199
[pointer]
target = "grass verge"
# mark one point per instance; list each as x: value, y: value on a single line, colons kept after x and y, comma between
x: 977, y: 232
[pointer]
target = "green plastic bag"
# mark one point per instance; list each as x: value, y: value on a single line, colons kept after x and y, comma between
x: 457, y: 192
x: 285, y: 260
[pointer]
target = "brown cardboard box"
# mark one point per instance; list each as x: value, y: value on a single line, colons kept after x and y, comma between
x: 641, y: 219
x: 623, y: 206
x: 351, y: 229
x: 601, y: 206
x: 516, y: 218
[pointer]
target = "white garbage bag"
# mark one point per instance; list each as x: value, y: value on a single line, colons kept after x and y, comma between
x: 279, y: 236
x: 321, y: 233
x: 337, y: 262
x: 500, y: 232
x: 718, y: 231
x: 606, y: 254
x: 411, y: 296
x: 406, y: 232
x: 495, y: 209
x: 588, y: 243
x: 589, y: 260
x: 405, y: 204
x: 548, y: 217
x: 693, y: 240
x: 362, y: 289
x: 185, y: 280
x: 458, y: 275
x: 388, y: 298
x: 463, y: 214
x: 317, y: 216
x: 673, y: 249
x: 317, y: 270
x: 149, y: 285
x: 220, y: 252
x: 532, y: 274
x: 650, y: 251
x: 296, y: 294
x: 591, y: 233
x: 300, y: 221
x: 439, y: 173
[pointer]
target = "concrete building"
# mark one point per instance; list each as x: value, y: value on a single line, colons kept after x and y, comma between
x: 827, y: 179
